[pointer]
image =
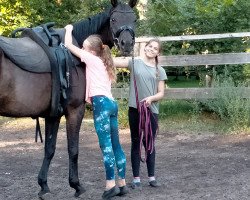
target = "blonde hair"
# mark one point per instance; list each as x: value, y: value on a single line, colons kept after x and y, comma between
x: 103, y: 51
x: 156, y: 58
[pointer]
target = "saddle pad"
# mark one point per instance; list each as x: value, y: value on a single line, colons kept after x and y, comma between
x: 26, y: 54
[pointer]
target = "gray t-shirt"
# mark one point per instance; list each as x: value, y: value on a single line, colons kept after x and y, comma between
x: 146, y: 82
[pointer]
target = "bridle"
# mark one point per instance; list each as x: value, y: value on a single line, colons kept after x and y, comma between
x: 116, y: 34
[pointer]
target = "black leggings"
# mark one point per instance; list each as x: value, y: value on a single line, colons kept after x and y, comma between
x: 135, y: 143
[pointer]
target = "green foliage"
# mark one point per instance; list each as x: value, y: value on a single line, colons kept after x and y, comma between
x: 175, y: 108
x: 123, y: 113
x: 14, y: 14
x: 184, y: 116
x: 160, y: 17
x: 189, y: 17
x: 88, y: 8
x: 59, y: 11
x: 228, y: 103
x: 29, y: 13
x: 183, y: 82
x: 247, y: 73
x: 123, y: 78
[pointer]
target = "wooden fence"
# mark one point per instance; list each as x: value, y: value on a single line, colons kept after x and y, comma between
x: 193, y: 60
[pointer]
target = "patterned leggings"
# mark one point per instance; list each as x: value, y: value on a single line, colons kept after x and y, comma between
x: 105, y: 111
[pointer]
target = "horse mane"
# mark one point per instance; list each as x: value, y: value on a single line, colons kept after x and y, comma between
x: 122, y: 6
x: 89, y: 26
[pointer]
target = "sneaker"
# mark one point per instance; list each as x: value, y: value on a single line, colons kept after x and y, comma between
x: 136, y: 185
x: 154, y: 183
x: 123, y: 190
x: 110, y: 193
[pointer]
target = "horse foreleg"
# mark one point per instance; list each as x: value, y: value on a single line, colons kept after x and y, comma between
x: 73, y: 125
x: 51, y: 129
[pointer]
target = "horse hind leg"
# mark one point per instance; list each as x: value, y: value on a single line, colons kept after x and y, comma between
x: 51, y: 129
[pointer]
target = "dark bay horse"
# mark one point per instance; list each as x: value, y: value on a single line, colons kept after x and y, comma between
x: 26, y: 94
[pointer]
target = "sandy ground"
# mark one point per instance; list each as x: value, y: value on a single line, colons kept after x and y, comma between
x: 189, y: 167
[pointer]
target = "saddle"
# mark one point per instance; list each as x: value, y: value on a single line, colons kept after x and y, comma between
x: 41, y: 50
x: 26, y: 54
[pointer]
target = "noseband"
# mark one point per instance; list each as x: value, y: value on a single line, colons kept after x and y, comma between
x: 123, y: 28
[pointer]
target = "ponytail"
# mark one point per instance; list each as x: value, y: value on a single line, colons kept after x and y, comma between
x: 157, y: 68
x: 108, y: 62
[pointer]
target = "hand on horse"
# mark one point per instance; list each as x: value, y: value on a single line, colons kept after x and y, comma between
x: 69, y: 27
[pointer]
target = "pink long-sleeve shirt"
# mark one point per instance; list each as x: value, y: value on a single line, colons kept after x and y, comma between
x: 97, y: 79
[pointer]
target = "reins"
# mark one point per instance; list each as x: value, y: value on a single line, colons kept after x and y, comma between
x: 145, y: 127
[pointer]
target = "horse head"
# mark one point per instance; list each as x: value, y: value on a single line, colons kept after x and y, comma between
x: 122, y: 25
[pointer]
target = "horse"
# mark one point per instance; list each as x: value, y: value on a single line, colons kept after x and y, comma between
x: 27, y: 94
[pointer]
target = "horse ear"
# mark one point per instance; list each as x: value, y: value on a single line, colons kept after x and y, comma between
x: 132, y: 3
x: 114, y: 3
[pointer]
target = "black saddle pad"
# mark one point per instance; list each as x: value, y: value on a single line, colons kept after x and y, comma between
x: 25, y: 53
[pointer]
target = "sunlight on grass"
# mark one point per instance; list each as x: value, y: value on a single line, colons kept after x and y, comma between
x: 184, y: 116
x: 12, y: 123
x: 192, y: 125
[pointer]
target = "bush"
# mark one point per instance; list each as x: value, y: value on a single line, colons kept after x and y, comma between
x: 229, y: 103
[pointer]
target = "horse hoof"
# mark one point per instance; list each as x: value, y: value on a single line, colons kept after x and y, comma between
x: 79, y: 192
x: 44, y: 194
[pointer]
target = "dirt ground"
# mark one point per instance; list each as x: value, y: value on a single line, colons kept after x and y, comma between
x: 189, y: 167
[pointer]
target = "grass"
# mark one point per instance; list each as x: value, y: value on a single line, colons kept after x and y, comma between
x: 183, y: 82
x: 178, y: 116
x: 183, y: 116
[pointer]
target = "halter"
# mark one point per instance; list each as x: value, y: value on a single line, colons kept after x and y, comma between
x: 121, y: 29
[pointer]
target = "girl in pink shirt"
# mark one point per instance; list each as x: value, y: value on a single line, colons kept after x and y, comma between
x: 100, y: 73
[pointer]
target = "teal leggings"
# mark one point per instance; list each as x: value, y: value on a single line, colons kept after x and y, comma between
x: 105, y: 111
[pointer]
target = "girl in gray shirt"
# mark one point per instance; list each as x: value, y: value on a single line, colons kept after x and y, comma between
x: 150, y: 83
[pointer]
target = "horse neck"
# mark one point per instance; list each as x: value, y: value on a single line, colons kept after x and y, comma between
x: 106, y: 36
x: 93, y: 25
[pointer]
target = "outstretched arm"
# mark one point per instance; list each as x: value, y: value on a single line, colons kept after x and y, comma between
x: 68, y: 41
x: 121, y: 62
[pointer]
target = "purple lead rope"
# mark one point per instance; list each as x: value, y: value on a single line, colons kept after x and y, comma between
x: 145, y: 129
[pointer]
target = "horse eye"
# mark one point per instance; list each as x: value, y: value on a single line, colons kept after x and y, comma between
x: 113, y: 19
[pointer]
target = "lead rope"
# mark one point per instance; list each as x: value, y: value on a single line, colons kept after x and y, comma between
x: 145, y: 129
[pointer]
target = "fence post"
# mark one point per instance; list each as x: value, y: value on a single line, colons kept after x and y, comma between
x: 139, y: 48
x: 208, y: 77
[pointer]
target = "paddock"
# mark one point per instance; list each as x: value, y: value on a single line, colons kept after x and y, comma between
x: 202, y: 166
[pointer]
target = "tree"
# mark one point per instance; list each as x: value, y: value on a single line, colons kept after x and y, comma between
x: 191, y: 17
x: 30, y: 13
x: 14, y: 14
